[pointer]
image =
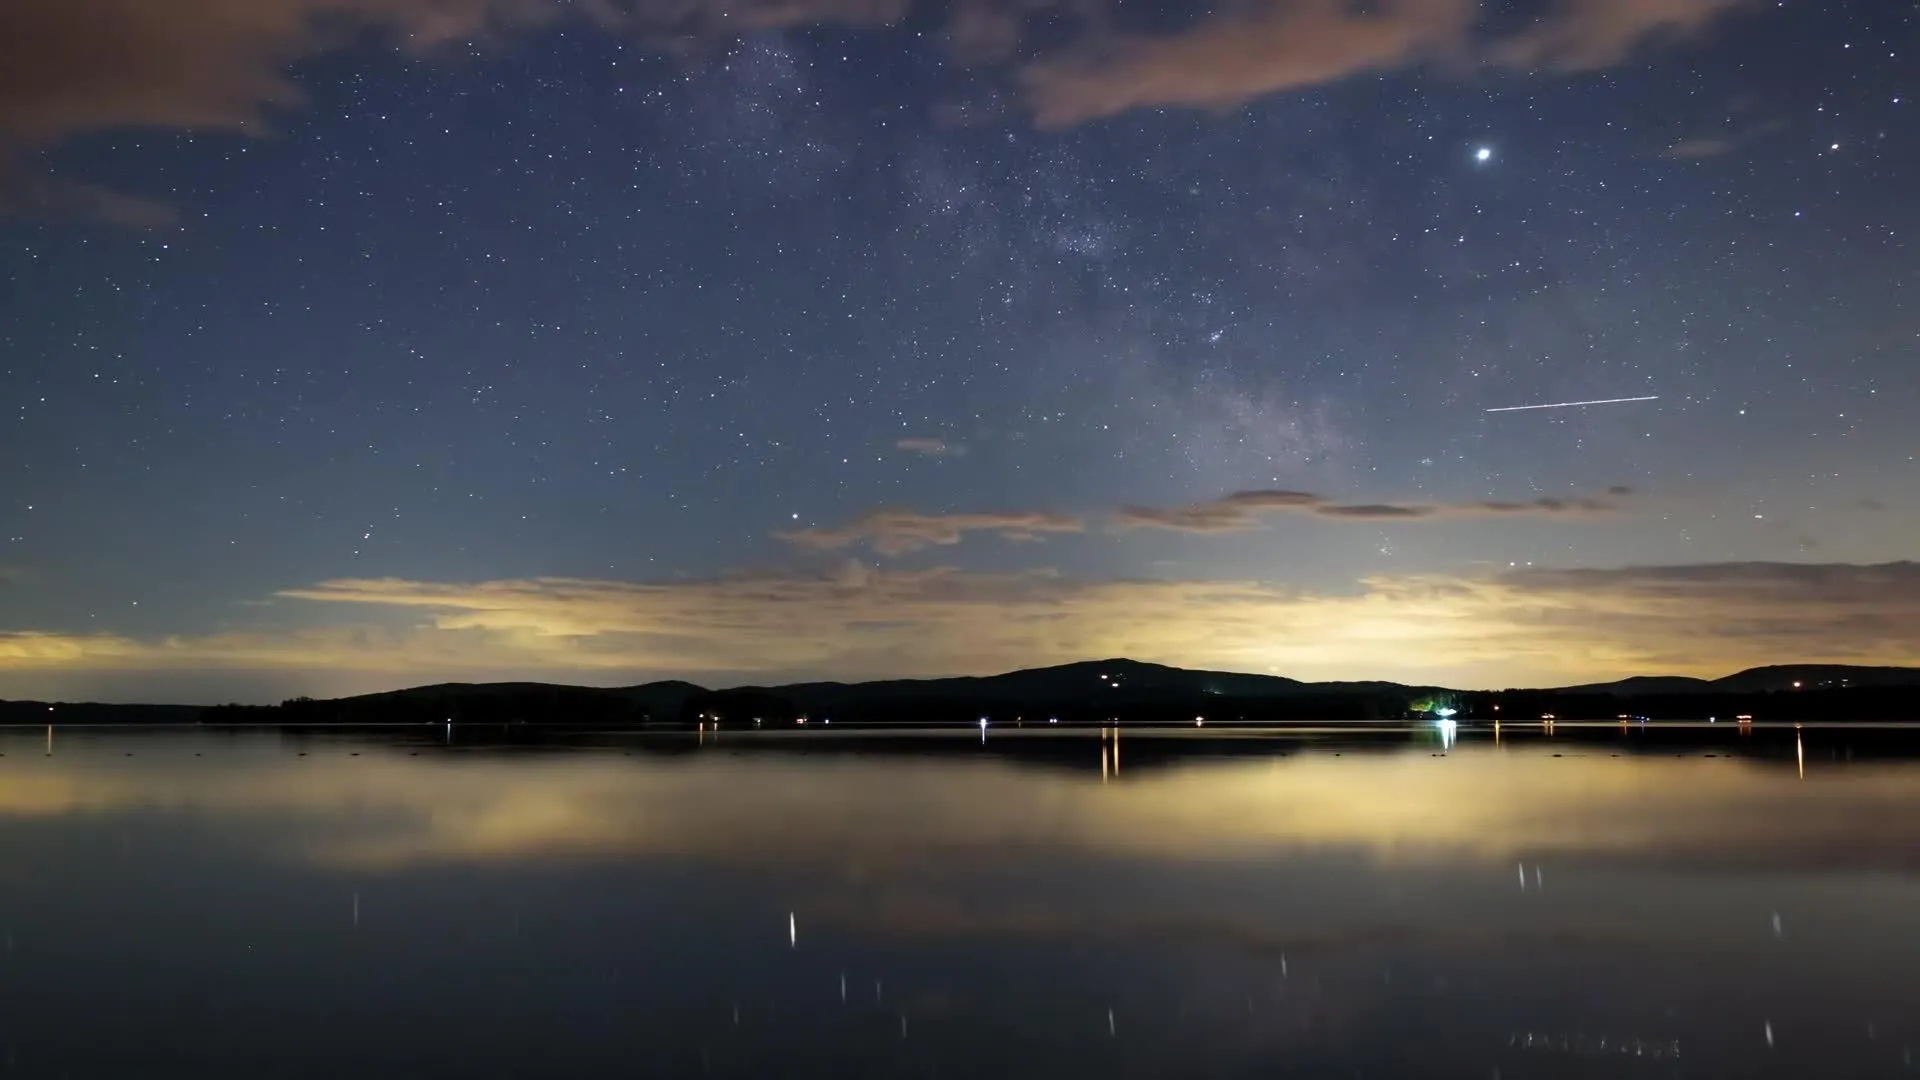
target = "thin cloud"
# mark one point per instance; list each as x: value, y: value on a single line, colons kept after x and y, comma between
x: 930, y: 447
x: 1230, y: 58
x: 1697, y: 149
x: 1237, y: 512
x: 1702, y: 147
x: 1583, y: 35
x: 1245, y: 510
x: 899, y: 532
x: 68, y: 66
x: 1530, y: 626
x: 55, y: 197
x: 1548, y: 507
x: 1375, y: 512
x: 1283, y: 45
x: 1763, y: 584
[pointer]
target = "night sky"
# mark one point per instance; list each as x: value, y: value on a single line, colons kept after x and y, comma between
x: 352, y: 344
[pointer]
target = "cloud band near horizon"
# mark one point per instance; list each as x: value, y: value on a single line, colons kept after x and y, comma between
x: 1509, y: 628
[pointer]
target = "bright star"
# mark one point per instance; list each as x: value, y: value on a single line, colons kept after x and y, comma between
x: 1483, y: 154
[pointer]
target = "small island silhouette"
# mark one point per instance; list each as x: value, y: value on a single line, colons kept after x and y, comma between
x: 1089, y: 693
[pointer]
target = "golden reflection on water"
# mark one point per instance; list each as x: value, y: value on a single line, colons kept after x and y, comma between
x: 385, y: 809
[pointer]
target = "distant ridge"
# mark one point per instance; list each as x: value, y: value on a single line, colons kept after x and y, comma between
x: 1772, y: 679
x: 1134, y: 679
x: 1086, y: 691
x: 1644, y: 684
x: 1119, y: 681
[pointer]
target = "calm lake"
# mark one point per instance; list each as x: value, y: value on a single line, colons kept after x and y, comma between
x: 1599, y: 903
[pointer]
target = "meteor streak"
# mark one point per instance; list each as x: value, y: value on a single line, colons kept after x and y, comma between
x: 1575, y: 404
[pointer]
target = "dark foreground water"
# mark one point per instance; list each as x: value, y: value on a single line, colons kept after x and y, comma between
x: 1597, y: 904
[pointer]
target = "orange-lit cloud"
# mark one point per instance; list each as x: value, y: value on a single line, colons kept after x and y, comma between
x: 1244, y: 510
x: 931, y: 447
x: 1535, y: 626
x: 1237, y: 512
x: 69, y: 66
x: 25, y: 192
x: 1701, y: 147
x: 898, y: 532
x: 1250, y: 51
x: 1581, y: 35
x: 1268, y: 47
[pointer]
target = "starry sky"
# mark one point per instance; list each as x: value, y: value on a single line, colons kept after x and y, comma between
x: 353, y: 344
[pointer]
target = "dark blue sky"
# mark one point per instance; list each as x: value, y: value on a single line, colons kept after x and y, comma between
x: 816, y: 350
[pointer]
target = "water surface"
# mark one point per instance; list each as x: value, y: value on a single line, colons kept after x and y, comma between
x: 1598, y: 903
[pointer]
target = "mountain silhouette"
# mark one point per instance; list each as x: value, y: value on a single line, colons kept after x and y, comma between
x: 1116, y: 690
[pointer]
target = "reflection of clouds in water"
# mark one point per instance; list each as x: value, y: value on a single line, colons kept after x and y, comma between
x: 875, y: 814
x: 910, y: 913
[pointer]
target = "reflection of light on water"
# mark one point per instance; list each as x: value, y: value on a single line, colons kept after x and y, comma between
x: 1449, y: 729
x: 392, y: 810
x: 1588, y: 1046
x: 1800, y: 751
